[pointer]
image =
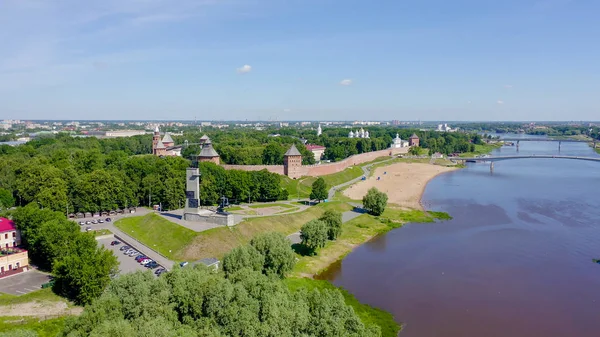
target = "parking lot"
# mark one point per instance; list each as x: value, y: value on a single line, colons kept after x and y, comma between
x: 127, y: 264
x: 23, y: 283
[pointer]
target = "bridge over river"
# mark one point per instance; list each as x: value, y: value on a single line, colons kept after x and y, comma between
x: 492, y: 159
x: 560, y: 141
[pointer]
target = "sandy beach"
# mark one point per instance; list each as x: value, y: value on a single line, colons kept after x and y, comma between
x: 404, y: 183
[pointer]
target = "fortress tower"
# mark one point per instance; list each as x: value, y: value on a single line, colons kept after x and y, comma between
x: 292, y: 163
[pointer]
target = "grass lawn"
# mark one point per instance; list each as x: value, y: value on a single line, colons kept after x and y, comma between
x: 217, y: 242
x: 234, y: 208
x: 481, y: 149
x: 271, y: 205
x: 289, y: 210
x: 100, y: 232
x: 367, y: 314
x: 43, y: 295
x: 166, y: 237
x: 45, y: 328
x: 356, y: 232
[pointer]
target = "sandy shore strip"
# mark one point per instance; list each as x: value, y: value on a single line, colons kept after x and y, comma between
x: 404, y: 183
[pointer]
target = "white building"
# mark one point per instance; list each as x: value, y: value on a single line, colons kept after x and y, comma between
x: 319, y: 131
x: 359, y: 134
x: 398, y: 143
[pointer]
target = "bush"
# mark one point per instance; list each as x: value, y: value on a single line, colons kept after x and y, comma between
x: 333, y: 219
x: 277, y: 252
x: 314, y: 235
x: 375, y: 201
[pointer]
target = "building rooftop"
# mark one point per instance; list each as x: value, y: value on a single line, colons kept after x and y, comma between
x: 311, y: 147
x: 167, y: 138
x: 160, y: 145
x: 208, y: 151
x: 293, y: 151
x: 7, y: 225
x: 414, y: 136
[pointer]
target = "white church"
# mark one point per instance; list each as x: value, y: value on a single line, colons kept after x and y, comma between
x: 358, y: 134
x: 398, y: 143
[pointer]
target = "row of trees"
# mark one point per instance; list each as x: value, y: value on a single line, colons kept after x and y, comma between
x: 197, y: 302
x: 86, y: 174
x: 81, y: 268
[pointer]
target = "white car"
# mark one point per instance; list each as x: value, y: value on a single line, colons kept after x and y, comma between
x: 146, y: 261
x: 132, y: 253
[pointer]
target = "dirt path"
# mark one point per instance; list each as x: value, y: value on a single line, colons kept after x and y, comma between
x: 39, y: 309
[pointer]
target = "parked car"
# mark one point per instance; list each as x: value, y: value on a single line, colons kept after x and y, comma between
x: 88, y: 229
x: 159, y: 271
x: 108, y: 220
x: 114, y: 243
x: 140, y: 257
x: 88, y: 222
x: 81, y: 223
x: 152, y: 265
x: 128, y: 251
x: 94, y: 221
x: 132, y: 253
x: 124, y: 248
x: 183, y: 264
x: 100, y: 221
x: 145, y: 261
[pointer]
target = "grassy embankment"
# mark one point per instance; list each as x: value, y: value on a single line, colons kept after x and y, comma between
x: 100, y: 232
x: 356, y: 232
x: 300, y: 188
x: 43, y: 327
x: 181, y: 244
x: 481, y: 149
x: 164, y: 236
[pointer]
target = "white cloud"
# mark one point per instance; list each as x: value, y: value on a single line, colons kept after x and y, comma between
x: 500, y: 102
x: 244, y: 69
x: 508, y: 86
x: 346, y: 82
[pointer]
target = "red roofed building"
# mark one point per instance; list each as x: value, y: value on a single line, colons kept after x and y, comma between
x: 317, y: 151
x: 12, y: 259
x: 9, y: 235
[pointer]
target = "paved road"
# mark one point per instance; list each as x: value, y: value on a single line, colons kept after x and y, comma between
x: 23, y: 283
x: 127, y: 264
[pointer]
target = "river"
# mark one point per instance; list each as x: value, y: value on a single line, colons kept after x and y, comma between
x: 516, y: 260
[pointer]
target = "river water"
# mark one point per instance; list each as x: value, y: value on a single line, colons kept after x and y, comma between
x: 516, y: 260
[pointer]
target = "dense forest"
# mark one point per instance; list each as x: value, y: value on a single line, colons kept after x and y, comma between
x: 70, y: 174
x: 549, y: 129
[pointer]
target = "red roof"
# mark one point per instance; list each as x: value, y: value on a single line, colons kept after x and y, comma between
x: 311, y: 147
x: 7, y: 225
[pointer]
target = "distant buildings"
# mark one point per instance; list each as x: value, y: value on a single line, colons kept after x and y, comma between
x: 444, y: 128
x: 116, y: 133
x: 208, y: 153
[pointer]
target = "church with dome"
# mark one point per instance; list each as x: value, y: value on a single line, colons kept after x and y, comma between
x: 359, y: 134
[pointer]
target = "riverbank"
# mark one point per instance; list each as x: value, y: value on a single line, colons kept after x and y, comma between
x: 404, y: 183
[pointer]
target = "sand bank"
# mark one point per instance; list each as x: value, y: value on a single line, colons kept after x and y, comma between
x: 404, y: 183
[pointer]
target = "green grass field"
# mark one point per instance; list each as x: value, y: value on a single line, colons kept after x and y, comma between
x: 217, y: 242
x: 45, y: 328
x: 166, y: 237
x: 101, y: 232
x: 43, y: 295
x: 481, y: 149
x: 367, y: 314
x: 271, y: 205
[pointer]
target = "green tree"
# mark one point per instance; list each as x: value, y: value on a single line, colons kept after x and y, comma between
x: 83, y: 273
x: 319, y: 190
x: 375, y: 201
x: 273, y: 154
x: 314, y: 235
x: 6, y: 199
x: 243, y: 257
x: 333, y: 219
x: 277, y: 251
x: 414, y: 150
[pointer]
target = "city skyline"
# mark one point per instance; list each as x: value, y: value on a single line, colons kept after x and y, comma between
x: 298, y: 60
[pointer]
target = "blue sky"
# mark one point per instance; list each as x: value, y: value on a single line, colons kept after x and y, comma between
x: 300, y: 59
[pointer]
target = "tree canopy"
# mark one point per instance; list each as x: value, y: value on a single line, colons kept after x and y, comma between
x: 319, y: 190
x: 333, y: 220
x: 314, y: 235
x: 375, y: 201
x: 279, y: 258
x: 194, y: 301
